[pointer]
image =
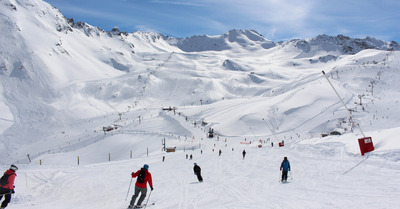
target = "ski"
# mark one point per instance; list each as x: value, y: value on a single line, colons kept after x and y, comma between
x: 142, y: 206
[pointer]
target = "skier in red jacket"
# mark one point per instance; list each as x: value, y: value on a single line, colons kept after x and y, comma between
x: 143, y: 176
x: 8, y: 188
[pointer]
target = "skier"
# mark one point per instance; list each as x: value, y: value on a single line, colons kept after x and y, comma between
x: 143, y: 176
x: 7, y: 188
x: 220, y: 152
x: 244, y: 153
x: 285, y: 167
x: 197, y: 172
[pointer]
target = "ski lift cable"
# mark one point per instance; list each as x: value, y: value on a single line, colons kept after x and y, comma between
x: 271, y: 130
x: 348, y: 110
x: 253, y: 134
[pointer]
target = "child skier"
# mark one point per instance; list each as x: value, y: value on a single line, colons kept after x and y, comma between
x: 143, y: 176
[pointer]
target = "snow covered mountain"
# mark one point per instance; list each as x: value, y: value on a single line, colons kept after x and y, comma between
x: 72, y: 93
x: 54, y: 70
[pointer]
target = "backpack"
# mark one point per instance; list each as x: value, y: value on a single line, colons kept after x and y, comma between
x: 141, y: 175
x: 4, y: 179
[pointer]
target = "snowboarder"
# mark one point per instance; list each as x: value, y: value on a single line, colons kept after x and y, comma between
x: 220, y: 152
x: 197, y: 172
x: 285, y: 167
x: 143, y: 177
x: 244, y: 153
x: 7, y: 188
x: 191, y: 157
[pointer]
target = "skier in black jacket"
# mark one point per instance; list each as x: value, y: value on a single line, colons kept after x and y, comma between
x: 197, y: 172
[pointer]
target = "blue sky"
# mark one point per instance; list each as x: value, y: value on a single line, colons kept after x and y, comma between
x: 277, y: 20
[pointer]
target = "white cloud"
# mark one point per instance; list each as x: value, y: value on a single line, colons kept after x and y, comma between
x: 146, y: 28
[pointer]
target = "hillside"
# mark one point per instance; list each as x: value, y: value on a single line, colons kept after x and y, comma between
x: 63, y: 82
x: 62, y: 73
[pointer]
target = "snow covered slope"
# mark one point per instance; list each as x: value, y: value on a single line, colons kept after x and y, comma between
x: 64, y: 82
x: 56, y: 72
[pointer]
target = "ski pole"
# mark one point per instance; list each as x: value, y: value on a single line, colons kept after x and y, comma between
x: 280, y: 174
x: 128, y: 190
x: 147, y: 200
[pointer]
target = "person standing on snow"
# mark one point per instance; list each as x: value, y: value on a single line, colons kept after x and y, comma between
x: 285, y: 167
x: 143, y: 176
x: 197, y: 172
x: 7, y: 188
x: 244, y: 153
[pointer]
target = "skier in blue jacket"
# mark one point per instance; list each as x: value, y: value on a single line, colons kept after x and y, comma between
x: 285, y: 167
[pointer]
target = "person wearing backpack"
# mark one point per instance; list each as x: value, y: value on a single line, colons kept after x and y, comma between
x: 7, y: 185
x: 143, y: 177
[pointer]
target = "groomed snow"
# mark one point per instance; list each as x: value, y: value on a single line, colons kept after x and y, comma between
x: 61, y: 85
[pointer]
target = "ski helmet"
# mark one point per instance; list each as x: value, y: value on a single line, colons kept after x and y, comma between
x: 14, y: 167
x: 146, y: 166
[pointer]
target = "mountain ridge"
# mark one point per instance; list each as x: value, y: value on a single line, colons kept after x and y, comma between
x: 57, y: 73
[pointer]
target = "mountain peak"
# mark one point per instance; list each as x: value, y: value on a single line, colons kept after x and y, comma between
x: 344, y: 44
x: 236, y: 34
x: 248, y: 39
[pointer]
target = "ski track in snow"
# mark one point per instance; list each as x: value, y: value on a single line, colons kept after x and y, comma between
x: 61, y: 85
x: 324, y: 175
